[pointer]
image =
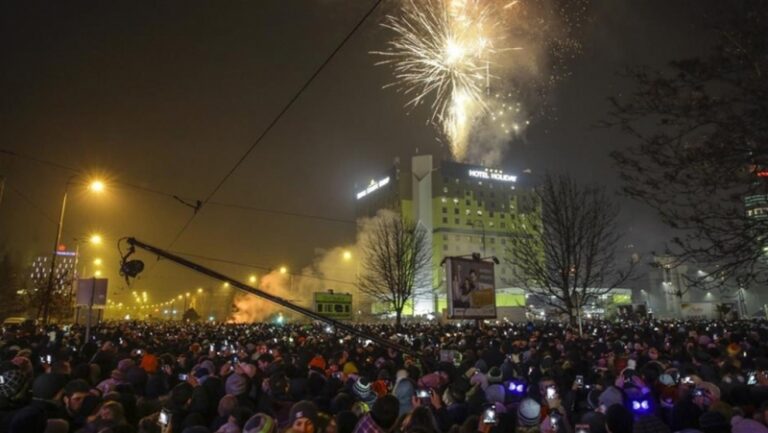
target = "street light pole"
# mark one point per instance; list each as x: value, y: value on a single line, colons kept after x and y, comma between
x: 48, y: 291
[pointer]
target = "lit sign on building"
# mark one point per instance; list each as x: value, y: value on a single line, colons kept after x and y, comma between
x: 373, y: 187
x: 491, y: 174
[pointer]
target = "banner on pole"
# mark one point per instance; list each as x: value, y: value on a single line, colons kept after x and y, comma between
x: 91, y: 292
x: 471, y: 289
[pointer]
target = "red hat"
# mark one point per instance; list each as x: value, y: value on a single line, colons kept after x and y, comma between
x: 317, y: 362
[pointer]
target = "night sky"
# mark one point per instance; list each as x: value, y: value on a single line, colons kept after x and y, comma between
x: 168, y: 96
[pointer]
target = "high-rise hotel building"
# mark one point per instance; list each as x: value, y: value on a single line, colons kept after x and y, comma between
x: 465, y: 208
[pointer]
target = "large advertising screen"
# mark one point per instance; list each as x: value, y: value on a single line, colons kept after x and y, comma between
x: 471, y: 290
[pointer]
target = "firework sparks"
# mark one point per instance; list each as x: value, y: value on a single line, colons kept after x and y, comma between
x: 444, y: 49
x: 454, y: 56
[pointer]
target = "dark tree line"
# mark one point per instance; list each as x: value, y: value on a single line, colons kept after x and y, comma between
x: 700, y: 155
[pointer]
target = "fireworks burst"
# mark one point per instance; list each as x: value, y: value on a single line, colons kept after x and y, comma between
x: 444, y: 49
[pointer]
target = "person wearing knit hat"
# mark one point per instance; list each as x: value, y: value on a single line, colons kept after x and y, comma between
x: 481, y: 365
x: 317, y: 363
x: 380, y: 388
x: 349, y: 369
x: 404, y: 391
x: 12, y: 383
x: 494, y: 375
x: 260, y: 423
x: 528, y: 413
x: 610, y: 397
x: 740, y: 424
x: 495, y: 393
x: 236, y: 384
x: 125, y: 364
x: 362, y: 390
x: 303, y: 417
x: 479, y: 379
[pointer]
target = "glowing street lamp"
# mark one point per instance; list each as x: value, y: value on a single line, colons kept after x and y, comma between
x: 283, y: 270
x: 252, y: 279
x: 96, y: 186
x: 95, y: 239
x: 97, y: 262
x: 97, y: 273
x: 199, y: 290
x: 347, y: 255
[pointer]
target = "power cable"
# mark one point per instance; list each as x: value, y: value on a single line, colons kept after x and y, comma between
x: 279, y: 116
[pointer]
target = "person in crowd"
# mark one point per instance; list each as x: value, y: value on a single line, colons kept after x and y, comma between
x: 641, y: 376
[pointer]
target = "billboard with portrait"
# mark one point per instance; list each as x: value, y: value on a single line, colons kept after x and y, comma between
x: 471, y: 289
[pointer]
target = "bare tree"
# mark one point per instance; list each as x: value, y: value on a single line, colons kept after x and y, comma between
x: 565, y: 255
x: 700, y: 156
x: 396, y: 258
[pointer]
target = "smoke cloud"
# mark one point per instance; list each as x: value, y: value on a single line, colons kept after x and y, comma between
x: 335, y: 269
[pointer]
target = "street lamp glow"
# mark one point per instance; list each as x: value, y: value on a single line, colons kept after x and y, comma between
x: 95, y: 239
x: 187, y: 294
x: 97, y: 273
x: 96, y: 186
x: 97, y: 262
x: 347, y: 255
x: 252, y: 279
x: 180, y: 297
x: 283, y: 270
x: 199, y: 290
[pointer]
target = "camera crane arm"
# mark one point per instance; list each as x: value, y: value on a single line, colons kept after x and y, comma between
x: 262, y: 294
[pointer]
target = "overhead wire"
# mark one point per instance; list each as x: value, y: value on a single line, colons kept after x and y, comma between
x: 279, y: 116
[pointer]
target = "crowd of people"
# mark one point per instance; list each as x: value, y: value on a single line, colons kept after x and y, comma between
x: 652, y: 376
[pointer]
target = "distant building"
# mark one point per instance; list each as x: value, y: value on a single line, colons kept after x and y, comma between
x: 64, y: 271
x: 465, y: 208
